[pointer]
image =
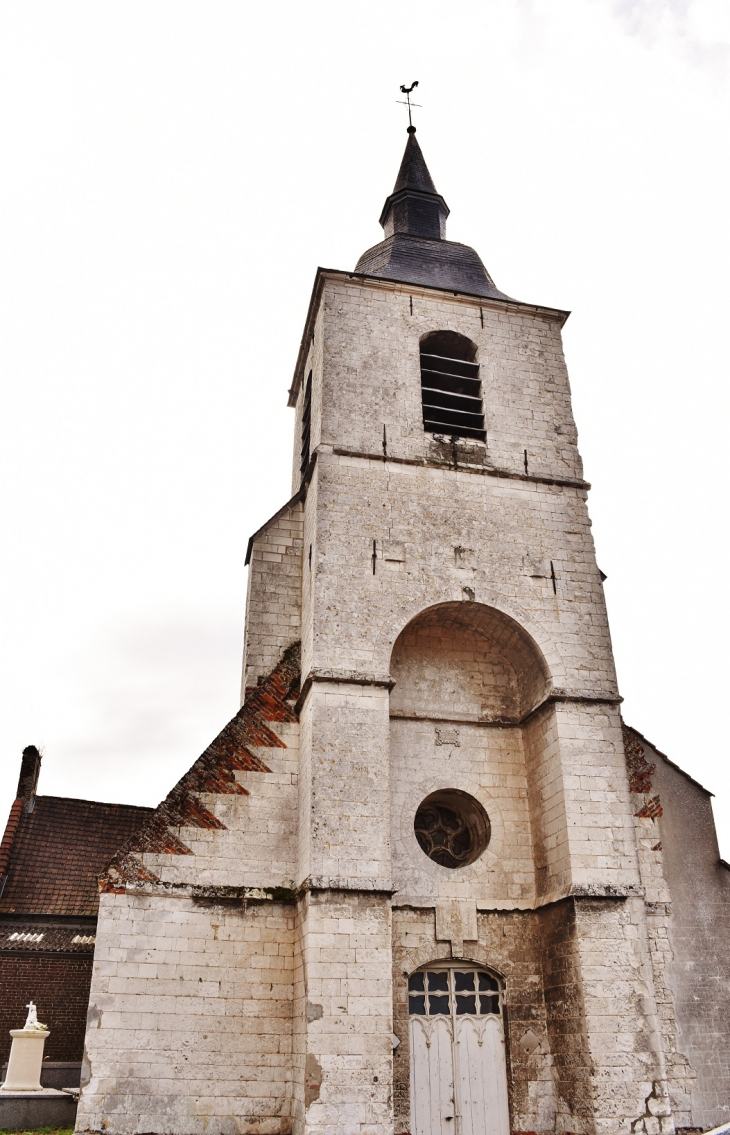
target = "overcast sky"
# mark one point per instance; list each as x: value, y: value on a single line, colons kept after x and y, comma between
x: 174, y: 172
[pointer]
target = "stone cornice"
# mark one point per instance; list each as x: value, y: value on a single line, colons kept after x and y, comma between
x: 557, y: 695
x: 348, y: 677
x: 614, y: 892
x: 479, y: 470
x: 382, y: 283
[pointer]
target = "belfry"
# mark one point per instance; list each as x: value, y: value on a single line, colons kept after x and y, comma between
x: 425, y: 881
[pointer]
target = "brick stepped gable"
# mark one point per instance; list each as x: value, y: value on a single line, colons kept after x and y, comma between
x: 640, y: 773
x: 213, y: 772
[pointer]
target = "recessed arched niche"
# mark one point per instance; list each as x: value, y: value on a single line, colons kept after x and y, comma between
x: 466, y: 662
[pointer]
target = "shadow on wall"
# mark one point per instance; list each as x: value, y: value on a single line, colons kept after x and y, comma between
x: 467, y: 662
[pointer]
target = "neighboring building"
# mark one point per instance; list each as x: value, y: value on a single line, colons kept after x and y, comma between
x: 50, y: 857
x: 420, y: 883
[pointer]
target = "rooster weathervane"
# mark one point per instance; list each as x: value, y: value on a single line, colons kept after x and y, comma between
x: 407, y: 92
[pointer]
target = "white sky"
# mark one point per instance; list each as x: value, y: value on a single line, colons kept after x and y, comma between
x: 173, y: 174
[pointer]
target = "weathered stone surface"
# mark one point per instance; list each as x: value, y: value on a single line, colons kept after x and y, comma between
x: 255, y: 944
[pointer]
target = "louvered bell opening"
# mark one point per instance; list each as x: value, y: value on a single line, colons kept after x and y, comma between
x: 306, y: 425
x: 452, y: 395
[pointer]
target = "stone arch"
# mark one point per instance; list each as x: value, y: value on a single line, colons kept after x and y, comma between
x: 486, y: 597
x: 467, y: 662
x: 448, y: 342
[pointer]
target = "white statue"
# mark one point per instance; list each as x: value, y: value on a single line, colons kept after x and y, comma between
x: 32, y: 1023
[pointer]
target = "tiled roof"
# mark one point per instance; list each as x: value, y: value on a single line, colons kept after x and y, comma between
x: 33, y: 937
x: 58, y: 851
x: 214, y: 772
x: 16, y: 812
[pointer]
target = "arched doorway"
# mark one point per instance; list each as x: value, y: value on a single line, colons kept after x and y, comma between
x: 458, y: 1064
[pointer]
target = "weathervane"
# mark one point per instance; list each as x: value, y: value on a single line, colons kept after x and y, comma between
x: 409, y: 104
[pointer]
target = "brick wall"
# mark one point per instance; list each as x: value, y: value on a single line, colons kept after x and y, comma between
x: 59, y: 985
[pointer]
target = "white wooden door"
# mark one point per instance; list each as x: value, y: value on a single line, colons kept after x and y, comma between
x: 458, y: 1065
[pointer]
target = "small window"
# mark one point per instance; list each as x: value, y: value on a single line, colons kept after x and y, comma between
x: 453, y: 992
x: 306, y: 425
x: 451, y: 389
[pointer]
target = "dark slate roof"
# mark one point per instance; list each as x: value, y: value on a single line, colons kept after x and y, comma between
x: 435, y: 263
x: 413, y: 172
x: 58, y: 850
x: 415, y: 249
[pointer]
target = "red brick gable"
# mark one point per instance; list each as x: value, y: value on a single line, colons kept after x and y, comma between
x: 54, y: 853
x: 214, y: 772
x: 640, y: 774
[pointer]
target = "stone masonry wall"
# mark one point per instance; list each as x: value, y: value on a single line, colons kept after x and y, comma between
x: 488, y: 763
x: 518, y: 531
x: 454, y: 671
x: 508, y: 943
x: 688, y: 936
x: 460, y: 650
x: 622, y: 1026
x: 189, y: 1017
x: 347, y: 794
x: 599, y: 821
x: 361, y: 501
x: 372, y: 374
x: 312, y: 362
x: 256, y: 845
x: 274, y: 597
x: 546, y: 797
x: 345, y: 1001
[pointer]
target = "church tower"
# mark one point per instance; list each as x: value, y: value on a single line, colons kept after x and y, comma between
x: 405, y: 890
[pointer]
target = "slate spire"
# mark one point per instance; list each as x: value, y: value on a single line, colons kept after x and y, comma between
x: 414, y: 206
x: 415, y: 249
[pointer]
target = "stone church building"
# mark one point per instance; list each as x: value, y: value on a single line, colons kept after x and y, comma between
x: 425, y: 880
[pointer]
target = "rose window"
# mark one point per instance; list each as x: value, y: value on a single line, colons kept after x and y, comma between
x: 452, y: 828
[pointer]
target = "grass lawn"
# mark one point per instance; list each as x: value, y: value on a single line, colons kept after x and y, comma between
x: 38, y: 1131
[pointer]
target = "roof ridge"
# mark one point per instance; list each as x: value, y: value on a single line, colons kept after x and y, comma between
x: 214, y: 771
x: 101, y: 803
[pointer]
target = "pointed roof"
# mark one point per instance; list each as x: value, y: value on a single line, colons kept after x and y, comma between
x: 415, y: 249
x: 414, y: 206
x: 413, y: 172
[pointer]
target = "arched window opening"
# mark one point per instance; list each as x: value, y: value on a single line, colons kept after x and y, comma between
x: 306, y: 425
x: 451, y: 389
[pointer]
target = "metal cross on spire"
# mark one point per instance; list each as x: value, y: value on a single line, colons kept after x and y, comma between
x: 407, y: 92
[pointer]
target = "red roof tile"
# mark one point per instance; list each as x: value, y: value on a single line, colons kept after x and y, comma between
x: 59, y: 849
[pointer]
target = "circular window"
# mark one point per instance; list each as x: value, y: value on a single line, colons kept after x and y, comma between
x: 452, y: 828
